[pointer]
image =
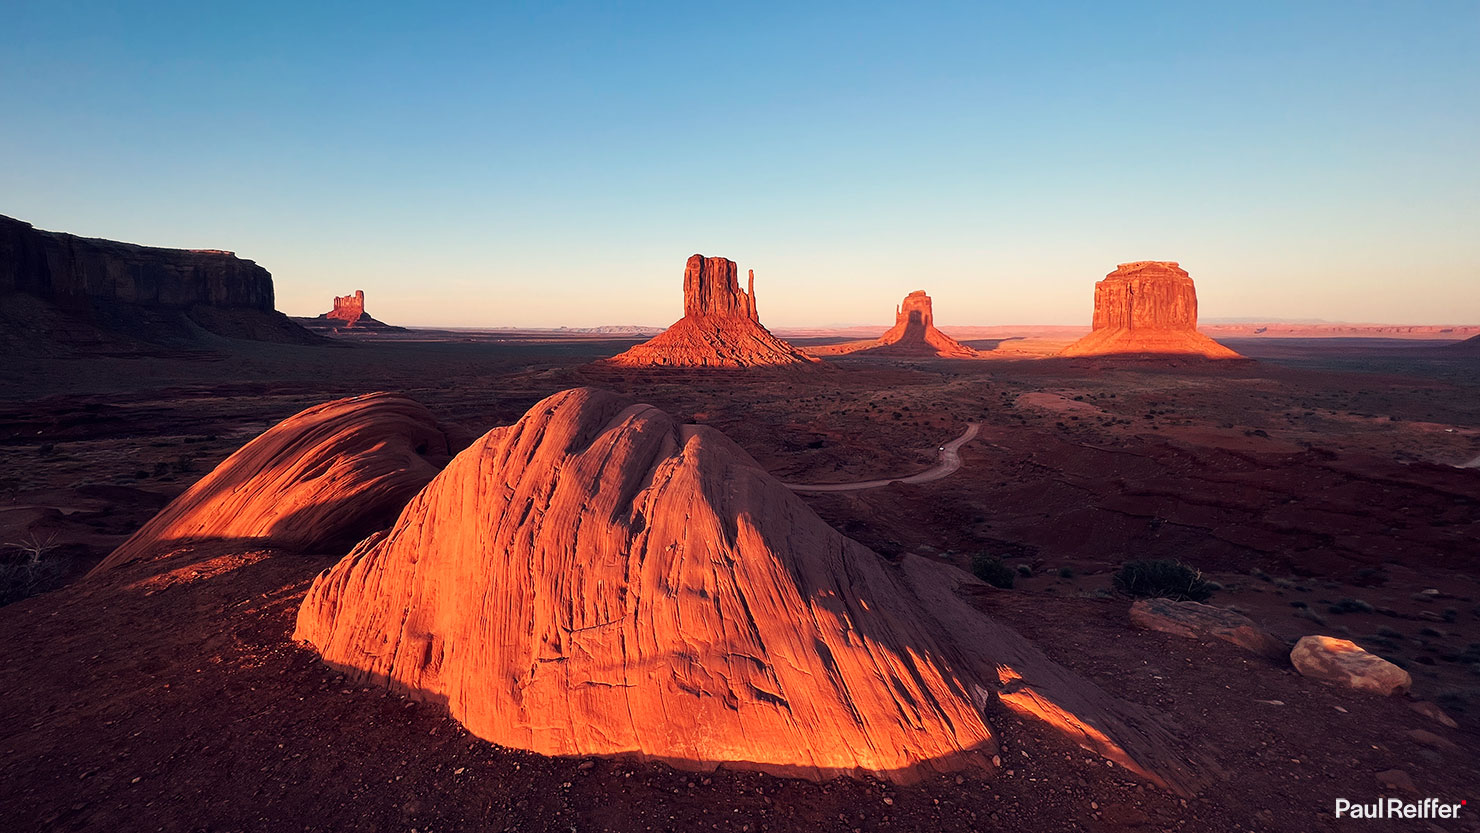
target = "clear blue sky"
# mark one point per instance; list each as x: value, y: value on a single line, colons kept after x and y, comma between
x: 547, y: 164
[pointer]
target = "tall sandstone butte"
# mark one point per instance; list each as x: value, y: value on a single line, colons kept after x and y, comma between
x: 348, y: 313
x: 1147, y: 307
x: 914, y: 332
x: 348, y: 308
x: 146, y: 290
x: 720, y: 326
x: 597, y: 579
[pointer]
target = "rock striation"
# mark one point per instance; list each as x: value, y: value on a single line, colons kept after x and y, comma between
x: 720, y: 326
x: 597, y: 579
x: 144, y: 291
x: 1147, y: 308
x: 317, y: 481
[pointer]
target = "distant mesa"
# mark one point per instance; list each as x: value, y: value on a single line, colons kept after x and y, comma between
x: 62, y: 290
x: 317, y: 481
x: 598, y: 579
x: 720, y: 326
x: 348, y: 314
x: 1147, y: 308
x: 913, y: 334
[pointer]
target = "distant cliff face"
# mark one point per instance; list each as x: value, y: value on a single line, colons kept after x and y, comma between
x: 79, y: 272
x: 61, y: 292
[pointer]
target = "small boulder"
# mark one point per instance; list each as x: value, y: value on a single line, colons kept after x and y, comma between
x: 1432, y: 712
x: 1343, y: 662
x: 1396, y: 779
x: 1199, y: 621
x: 1427, y: 738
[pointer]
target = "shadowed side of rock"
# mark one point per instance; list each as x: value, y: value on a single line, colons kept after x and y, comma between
x: 154, y: 294
x: 597, y: 579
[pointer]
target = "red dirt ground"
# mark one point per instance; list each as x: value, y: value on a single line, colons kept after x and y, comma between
x: 171, y: 698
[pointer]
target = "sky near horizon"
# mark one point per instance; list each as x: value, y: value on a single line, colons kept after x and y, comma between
x: 549, y: 164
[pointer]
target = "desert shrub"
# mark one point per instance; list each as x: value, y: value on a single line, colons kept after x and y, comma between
x: 992, y: 571
x: 1161, y: 578
x: 1351, y: 606
x: 28, y: 567
x: 1024, y: 570
x: 1066, y: 572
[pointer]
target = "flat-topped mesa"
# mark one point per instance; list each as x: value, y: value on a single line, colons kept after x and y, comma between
x: 720, y: 326
x: 1147, y: 307
x: 348, y: 308
x: 82, y: 273
x: 93, y: 291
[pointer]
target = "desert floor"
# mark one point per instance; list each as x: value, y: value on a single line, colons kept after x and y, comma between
x: 1329, y: 485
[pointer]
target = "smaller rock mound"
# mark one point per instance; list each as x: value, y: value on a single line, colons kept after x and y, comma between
x: 1147, y: 308
x: 720, y: 326
x: 319, y: 480
x: 1199, y: 621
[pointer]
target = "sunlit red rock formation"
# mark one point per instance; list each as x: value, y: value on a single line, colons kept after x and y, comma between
x: 720, y: 326
x: 599, y: 580
x: 348, y: 308
x: 914, y: 334
x: 348, y: 314
x: 1147, y: 307
x: 319, y: 480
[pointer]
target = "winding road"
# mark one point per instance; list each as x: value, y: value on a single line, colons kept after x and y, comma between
x: 950, y: 460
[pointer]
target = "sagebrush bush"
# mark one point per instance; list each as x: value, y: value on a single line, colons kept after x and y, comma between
x: 27, y: 568
x: 1162, y: 578
x: 992, y: 571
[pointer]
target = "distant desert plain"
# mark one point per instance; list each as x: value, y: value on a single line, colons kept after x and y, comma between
x: 332, y: 572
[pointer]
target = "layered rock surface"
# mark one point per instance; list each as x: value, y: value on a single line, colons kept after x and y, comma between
x: 143, y: 291
x: 597, y: 579
x: 720, y: 326
x: 319, y: 480
x: 1147, y: 307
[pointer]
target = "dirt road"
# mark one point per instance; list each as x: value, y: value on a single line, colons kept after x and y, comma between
x: 950, y: 460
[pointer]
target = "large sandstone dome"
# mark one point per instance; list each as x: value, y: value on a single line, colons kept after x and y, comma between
x: 720, y: 326
x: 597, y: 579
x: 1147, y: 308
x: 320, y: 479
